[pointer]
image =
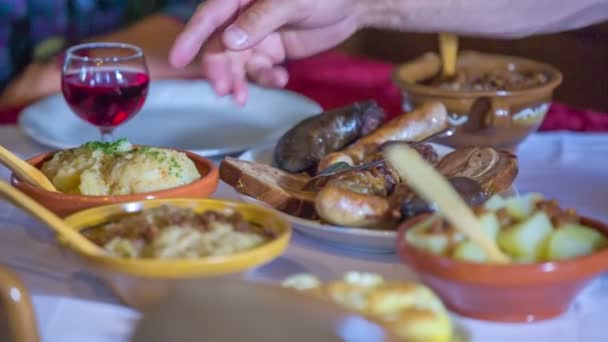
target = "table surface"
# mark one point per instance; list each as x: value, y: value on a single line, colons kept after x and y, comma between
x: 567, y: 166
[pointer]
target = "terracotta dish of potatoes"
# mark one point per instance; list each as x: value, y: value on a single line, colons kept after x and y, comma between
x: 553, y: 254
x: 409, y: 310
x: 527, y: 228
x: 99, y: 173
x: 375, y: 198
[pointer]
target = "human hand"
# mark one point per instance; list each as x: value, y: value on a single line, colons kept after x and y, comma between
x: 36, y: 81
x: 252, y: 38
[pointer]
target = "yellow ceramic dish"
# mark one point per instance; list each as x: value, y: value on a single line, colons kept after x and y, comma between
x: 138, y: 281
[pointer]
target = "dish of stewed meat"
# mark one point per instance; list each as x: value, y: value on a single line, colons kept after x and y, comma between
x: 495, y: 80
x: 169, y: 232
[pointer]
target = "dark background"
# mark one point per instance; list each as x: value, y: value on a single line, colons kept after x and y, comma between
x: 582, y: 56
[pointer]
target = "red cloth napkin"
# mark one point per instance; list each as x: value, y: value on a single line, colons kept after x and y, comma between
x: 8, y: 116
x: 335, y: 79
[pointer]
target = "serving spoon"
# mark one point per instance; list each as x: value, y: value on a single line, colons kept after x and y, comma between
x: 431, y: 186
x: 448, y: 49
x: 25, y: 170
x: 73, y: 237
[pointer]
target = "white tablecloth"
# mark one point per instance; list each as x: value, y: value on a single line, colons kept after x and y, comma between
x: 572, y: 168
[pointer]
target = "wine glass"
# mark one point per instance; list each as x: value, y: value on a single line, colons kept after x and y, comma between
x: 105, y: 84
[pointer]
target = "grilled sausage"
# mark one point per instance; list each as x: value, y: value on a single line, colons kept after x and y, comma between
x: 427, y: 119
x: 345, y: 207
x: 301, y: 148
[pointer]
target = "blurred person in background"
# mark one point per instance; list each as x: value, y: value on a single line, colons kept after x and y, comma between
x: 35, y: 33
x: 241, y: 39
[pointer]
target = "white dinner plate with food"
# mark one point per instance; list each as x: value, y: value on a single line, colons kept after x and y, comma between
x: 182, y: 114
x: 349, y: 135
x: 362, y: 239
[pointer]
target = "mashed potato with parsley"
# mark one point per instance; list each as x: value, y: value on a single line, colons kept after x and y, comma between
x: 118, y: 168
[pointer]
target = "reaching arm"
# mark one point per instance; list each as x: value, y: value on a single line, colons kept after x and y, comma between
x: 154, y: 35
x: 495, y: 18
x: 239, y: 38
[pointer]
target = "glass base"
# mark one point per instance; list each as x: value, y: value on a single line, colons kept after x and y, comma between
x: 107, y: 134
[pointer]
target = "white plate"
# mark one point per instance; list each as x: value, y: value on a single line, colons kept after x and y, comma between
x: 362, y: 239
x: 184, y: 114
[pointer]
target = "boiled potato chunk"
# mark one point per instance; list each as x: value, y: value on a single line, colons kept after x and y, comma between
x: 573, y: 240
x: 434, y: 242
x: 495, y: 203
x: 526, y: 240
x: 522, y: 207
x: 469, y: 251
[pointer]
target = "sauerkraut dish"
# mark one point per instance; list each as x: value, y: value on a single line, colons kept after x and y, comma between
x: 118, y: 168
x: 171, y: 232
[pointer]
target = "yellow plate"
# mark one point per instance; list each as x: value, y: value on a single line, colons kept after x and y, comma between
x: 187, y: 268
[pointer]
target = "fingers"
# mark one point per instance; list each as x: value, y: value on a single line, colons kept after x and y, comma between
x: 276, y: 77
x: 226, y: 73
x: 262, y: 67
x: 258, y: 21
x: 209, y: 17
x: 237, y: 74
x: 261, y: 70
x: 304, y: 43
x: 216, y: 68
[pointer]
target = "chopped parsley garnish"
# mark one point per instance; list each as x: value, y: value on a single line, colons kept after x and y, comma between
x: 174, y: 167
x: 107, y: 147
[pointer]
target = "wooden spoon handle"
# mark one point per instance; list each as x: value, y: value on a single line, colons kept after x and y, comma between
x: 448, y: 49
x: 25, y: 170
x: 32, y: 207
x: 429, y: 184
x: 16, y: 302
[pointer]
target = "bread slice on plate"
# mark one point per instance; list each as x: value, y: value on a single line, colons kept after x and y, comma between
x: 275, y: 187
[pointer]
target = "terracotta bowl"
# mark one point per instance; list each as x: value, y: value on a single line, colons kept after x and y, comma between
x: 500, y: 119
x: 506, y: 293
x: 65, y: 204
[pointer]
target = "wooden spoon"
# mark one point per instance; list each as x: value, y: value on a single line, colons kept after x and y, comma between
x: 73, y: 237
x: 25, y: 170
x: 430, y: 185
x: 448, y: 49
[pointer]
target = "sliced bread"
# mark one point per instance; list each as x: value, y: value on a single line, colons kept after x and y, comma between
x: 275, y: 187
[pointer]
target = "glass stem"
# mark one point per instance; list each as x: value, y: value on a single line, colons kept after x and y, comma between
x: 107, y: 134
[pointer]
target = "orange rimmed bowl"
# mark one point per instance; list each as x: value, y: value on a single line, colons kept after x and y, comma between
x: 64, y: 204
x: 505, y: 293
x: 142, y: 281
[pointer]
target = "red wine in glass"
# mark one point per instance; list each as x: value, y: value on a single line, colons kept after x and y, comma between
x: 105, y: 98
x: 105, y: 84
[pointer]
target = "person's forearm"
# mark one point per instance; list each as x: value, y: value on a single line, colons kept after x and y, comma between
x: 497, y: 18
x: 155, y: 36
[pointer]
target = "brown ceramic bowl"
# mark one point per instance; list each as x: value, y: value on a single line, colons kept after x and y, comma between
x: 499, y: 119
x: 65, y: 204
x: 506, y: 293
